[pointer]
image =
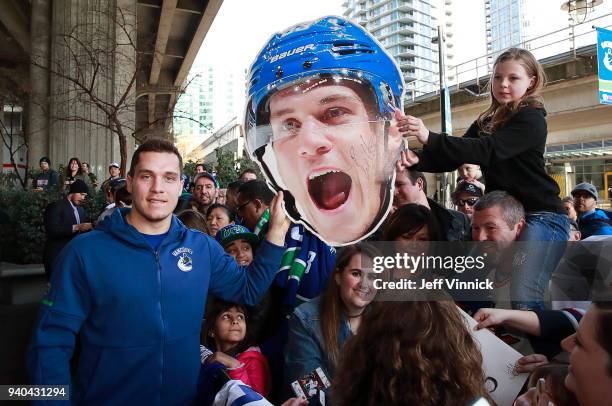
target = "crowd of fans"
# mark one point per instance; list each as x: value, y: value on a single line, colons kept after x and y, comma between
x: 271, y: 345
x: 318, y: 326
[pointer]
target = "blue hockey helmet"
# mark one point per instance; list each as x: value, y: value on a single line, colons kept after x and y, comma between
x: 332, y: 46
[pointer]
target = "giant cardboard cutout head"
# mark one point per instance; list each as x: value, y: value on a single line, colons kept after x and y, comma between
x: 319, y: 123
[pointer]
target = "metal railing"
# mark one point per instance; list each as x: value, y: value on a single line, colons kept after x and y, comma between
x: 478, y: 69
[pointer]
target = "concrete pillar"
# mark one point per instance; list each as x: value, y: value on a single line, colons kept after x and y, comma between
x: 125, y: 71
x: 38, y: 118
x: 79, y: 127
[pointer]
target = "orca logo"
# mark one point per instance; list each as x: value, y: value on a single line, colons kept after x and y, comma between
x: 184, y: 260
x: 184, y: 263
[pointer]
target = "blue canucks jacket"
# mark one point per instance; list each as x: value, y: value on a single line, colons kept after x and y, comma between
x: 138, y: 311
x: 597, y: 222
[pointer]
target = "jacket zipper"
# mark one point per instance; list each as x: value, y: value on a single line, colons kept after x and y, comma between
x: 163, y: 329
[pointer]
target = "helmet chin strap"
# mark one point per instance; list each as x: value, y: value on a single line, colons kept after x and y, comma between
x: 385, y: 191
x: 288, y: 197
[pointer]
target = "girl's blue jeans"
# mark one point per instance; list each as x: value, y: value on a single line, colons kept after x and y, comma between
x: 542, y: 244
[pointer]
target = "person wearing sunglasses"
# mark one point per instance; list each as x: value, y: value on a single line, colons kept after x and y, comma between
x: 465, y: 196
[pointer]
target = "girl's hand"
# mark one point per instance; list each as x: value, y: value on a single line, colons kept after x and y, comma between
x: 229, y: 361
x: 476, y: 183
x: 487, y: 317
x: 296, y: 402
x: 412, y: 126
x: 530, y: 362
x: 407, y: 159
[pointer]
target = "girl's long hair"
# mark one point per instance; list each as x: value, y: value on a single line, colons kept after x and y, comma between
x: 498, y: 114
x: 193, y: 219
x: 411, y: 353
x: 409, y: 219
x: 331, y: 307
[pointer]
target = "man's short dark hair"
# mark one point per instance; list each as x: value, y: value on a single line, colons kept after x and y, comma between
x: 235, y: 185
x: 202, y: 165
x: 155, y: 145
x: 256, y: 189
x: 248, y: 170
x: 512, y: 210
x: 416, y: 175
x: 122, y: 195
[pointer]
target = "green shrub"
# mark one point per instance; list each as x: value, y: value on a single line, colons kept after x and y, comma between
x: 22, y: 240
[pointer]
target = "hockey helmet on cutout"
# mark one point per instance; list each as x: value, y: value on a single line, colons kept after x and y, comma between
x: 330, y: 49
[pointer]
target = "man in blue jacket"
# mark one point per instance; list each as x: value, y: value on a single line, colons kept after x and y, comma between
x: 135, y: 290
x: 591, y: 220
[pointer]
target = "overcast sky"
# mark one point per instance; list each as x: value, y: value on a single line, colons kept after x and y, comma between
x: 242, y: 27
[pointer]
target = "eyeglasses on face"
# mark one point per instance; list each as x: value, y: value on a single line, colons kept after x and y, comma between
x: 470, y: 201
x: 241, y: 207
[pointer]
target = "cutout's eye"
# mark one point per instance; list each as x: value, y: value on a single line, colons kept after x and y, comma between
x: 335, y: 112
x: 291, y: 125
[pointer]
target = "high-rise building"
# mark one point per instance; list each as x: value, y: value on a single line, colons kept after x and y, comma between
x: 211, y: 98
x: 521, y: 23
x: 406, y: 29
x: 507, y: 24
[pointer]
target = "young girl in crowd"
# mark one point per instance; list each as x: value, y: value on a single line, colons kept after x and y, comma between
x: 319, y: 328
x: 225, y: 335
x: 411, y: 353
x: 507, y: 141
x: 239, y: 242
x: 217, y: 217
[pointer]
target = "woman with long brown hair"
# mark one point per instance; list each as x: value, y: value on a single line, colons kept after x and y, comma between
x: 72, y: 173
x: 411, y: 353
x: 319, y: 328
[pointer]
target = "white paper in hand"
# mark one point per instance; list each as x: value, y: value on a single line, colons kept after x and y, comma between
x: 498, y: 361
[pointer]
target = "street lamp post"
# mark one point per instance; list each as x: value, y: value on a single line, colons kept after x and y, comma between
x: 446, y: 125
x: 578, y: 10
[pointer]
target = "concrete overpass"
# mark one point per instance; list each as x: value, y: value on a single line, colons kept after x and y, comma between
x: 170, y: 33
x: 166, y: 35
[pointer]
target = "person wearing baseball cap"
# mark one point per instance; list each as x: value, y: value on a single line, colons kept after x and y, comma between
x: 239, y: 242
x: 47, y: 178
x: 591, y: 220
x: 114, y: 171
x: 465, y: 196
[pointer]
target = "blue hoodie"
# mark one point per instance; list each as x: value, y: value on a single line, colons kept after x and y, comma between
x: 138, y: 311
x: 596, y: 222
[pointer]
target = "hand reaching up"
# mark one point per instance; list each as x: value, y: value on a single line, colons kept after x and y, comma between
x: 279, y: 222
x: 411, y: 126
